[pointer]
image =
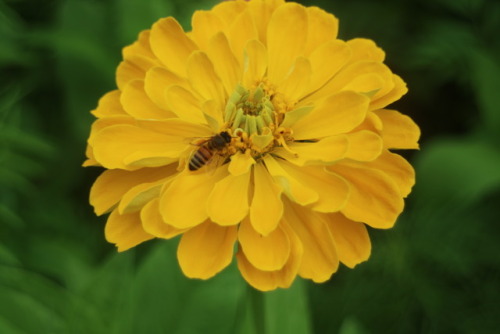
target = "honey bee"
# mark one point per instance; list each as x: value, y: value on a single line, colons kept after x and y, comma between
x: 208, y: 149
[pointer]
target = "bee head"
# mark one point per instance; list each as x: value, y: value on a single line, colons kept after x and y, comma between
x: 226, y: 136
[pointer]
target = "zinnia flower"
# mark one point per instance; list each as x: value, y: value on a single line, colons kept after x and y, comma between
x: 257, y: 132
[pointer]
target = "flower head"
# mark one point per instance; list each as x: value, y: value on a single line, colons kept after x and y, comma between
x: 260, y: 129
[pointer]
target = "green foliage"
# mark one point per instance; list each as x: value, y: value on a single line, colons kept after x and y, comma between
x: 436, y: 272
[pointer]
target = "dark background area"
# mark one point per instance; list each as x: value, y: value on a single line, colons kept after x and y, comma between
x: 437, y: 271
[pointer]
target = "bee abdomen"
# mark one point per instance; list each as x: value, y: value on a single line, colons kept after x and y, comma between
x: 200, y: 158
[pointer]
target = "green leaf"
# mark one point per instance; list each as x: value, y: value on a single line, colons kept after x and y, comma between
x: 485, y: 77
x: 170, y: 302
x: 456, y: 170
x: 104, y: 304
x: 352, y: 326
x: 287, y: 310
x: 137, y: 15
x: 30, y: 302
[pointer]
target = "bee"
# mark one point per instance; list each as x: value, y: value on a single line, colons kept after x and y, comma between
x: 208, y: 149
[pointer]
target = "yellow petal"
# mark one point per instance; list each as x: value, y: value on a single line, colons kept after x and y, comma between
x: 337, y: 114
x: 109, y: 105
x: 203, y: 79
x: 137, y: 103
x: 351, y: 239
x: 140, y: 47
x: 102, y: 123
x: 183, y: 202
x: 286, y: 37
x: 375, y: 198
x: 269, y: 252
x: 159, y: 78
x: 227, y: 11
x: 326, y: 150
x: 228, y: 201
x: 125, y: 231
x: 365, y: 49
x: 206, y: 249
x: 399, y: 131
x: 332, y: 190
x: 292, y: 187
x: 296, y: 83
x: 368, y: 84
x: 225, y: 63
x: 320, y: 259
x: 212, y: 114
x: 133, y: 68
x: 350, y: 73
x: 184, y: 104
x: 155, y: 82
x: 364, y: 145
x: 270, y: 280
x: 171, y: 45
x: 117, y: 145
x: 397, y: 168
x: 323, y: 27
x: 112, y: 184
x: 267, y: 207
x: 91, y: 161
x: 399, y: 89
x: 134, y: 199
x: 326, y: 61
x: 205, y: 25
x: 153, y: 223
x: 240, y: 163
x: 242, y: 29
x: 255, y: 62
x: 261, y: 12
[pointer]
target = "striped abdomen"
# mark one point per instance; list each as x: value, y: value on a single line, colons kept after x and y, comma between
x: 207, y: 150
x: 201, y: 157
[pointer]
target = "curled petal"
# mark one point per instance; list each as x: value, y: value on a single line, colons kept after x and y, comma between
x: 399, y: 131
x: 125, y: 231
x: 139, y: 105
x: 268, y: 252
x: 109, y: 105
x: 270, y: 280
x: 375, y: 198
x: 267, y: 207
x: 153, y: 223
x: 397, y: 168
x: 351, y: 239
x: 206, y: 249
x: 320, y: 258
x: 183, y: 202
x: 228, y: 201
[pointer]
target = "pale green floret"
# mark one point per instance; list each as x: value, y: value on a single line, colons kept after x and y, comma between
x: 239, y: 119
x: 263, y: 141
x: 250, y: 111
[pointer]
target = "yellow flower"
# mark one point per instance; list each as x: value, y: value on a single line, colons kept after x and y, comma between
x: 260, y: 129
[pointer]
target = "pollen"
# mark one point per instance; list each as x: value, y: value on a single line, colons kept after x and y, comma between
x: 254, y: 116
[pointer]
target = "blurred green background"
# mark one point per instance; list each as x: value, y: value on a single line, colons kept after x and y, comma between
x: 437, y: 271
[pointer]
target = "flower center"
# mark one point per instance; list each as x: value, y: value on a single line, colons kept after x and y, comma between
x: 254, y: 117
x: 250, y: 111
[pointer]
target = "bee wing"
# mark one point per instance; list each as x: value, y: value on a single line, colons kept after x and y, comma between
x: 214, y: 163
